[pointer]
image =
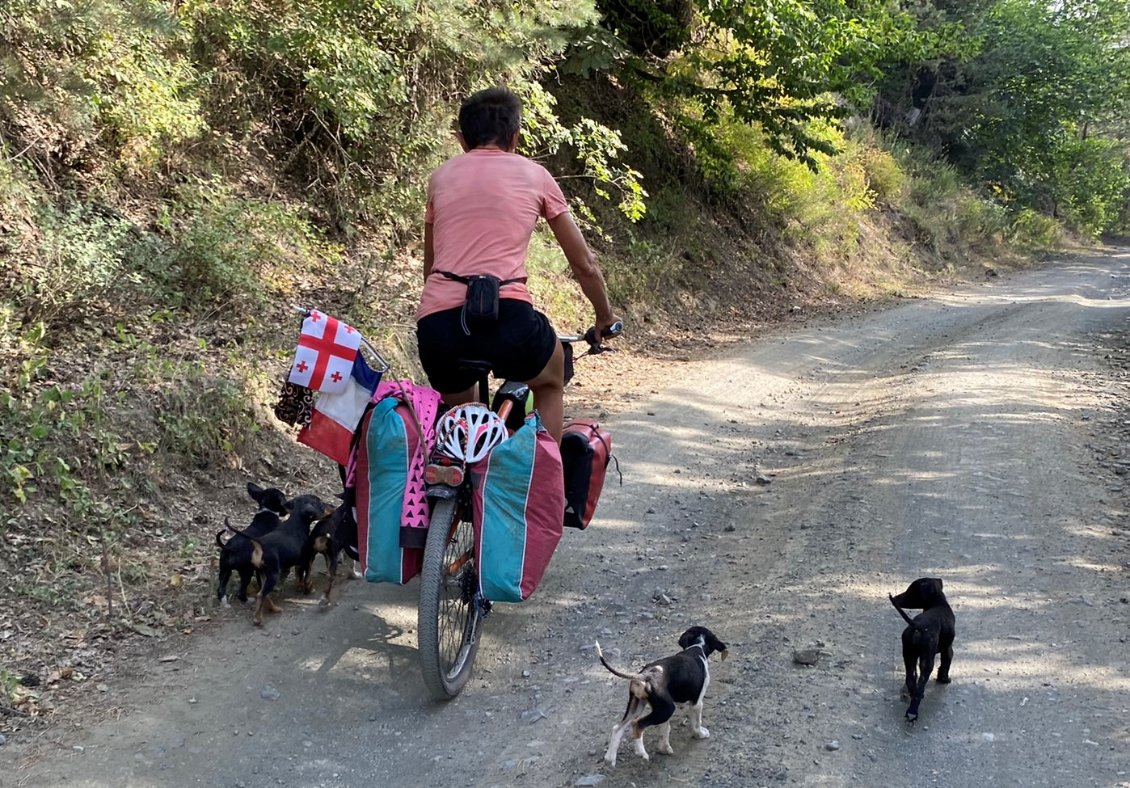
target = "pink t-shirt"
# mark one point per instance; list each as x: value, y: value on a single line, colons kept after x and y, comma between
x: 483, y: 206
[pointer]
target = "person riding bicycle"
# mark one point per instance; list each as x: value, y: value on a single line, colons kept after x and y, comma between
x: 481, y: 212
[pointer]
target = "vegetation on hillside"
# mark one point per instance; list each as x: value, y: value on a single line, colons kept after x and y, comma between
x: 173, y: 174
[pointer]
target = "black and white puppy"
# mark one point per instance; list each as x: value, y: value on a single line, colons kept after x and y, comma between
x: 928, y: 634
x: 660, y: 685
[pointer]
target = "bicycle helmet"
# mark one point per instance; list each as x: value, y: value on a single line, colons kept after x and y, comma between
x: 469, y: 432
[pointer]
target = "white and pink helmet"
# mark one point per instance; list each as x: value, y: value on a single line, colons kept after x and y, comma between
x: 469, y: 432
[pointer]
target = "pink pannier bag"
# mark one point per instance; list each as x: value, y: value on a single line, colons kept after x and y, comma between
x: 516, y: 512
x: 386, y: 471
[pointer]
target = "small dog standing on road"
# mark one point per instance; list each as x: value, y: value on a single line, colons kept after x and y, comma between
x: 330, y: 537
x: 929, y: 633
x: 285, y: 548
x: 235, y: 553
x: 682, y: 678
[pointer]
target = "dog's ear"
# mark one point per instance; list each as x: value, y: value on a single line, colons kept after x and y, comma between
x: 714, y: 644
x: 938, y: 580
x: 254, y: 491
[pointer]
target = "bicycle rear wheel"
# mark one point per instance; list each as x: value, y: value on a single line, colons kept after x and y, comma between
x: 450, y: 611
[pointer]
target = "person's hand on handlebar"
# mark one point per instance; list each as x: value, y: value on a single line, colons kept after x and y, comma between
x: 609, y: 327
x: 596, y: 335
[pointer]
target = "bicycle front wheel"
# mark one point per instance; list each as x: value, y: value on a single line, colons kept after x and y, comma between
x: 450, y: 613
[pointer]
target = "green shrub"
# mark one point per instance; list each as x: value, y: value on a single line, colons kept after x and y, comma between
x: 1090, y: 184
x: 1034, y: 230
x: 80, y: 256
x: 981, y: 221
x: 203, y: 416
x: 885, y: 176
x: 221, y: 251
x: 98, y: 72
x: 58, y: 262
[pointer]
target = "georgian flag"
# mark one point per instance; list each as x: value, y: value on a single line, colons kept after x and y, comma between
x: 324, y: 357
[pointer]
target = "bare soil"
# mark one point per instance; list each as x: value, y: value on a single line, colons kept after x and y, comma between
x: 776, y: 488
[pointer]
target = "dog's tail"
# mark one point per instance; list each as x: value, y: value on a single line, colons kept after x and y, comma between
x: 256, y: 548
x: 902, y: 613
x: 220, y: 543
x: 612, y: 670
x: 228, y: 527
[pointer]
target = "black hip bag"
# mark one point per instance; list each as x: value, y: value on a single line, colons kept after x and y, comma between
x: 480, y: 309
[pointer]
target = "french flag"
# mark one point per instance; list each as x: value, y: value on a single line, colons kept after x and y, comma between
x: 335, y: 416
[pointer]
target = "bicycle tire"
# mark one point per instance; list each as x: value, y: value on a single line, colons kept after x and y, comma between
x: 448, y: 616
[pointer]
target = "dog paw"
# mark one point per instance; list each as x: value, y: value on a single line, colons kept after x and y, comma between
x: 666, y: 749
x: 943, y: 679
x: 702, y: 733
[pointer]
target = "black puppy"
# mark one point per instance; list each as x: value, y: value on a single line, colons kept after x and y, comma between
x: 930, y: 632
x: 235, y: 553
x: 682, y: 678
x: 330, y: 537
x: 285, y: 548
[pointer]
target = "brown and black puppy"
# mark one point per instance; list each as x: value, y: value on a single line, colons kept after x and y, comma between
x: 329, y: 537
x: 929, y: 633
x: 235, y: 553
x: 285, y: 548
x: 660, y: 685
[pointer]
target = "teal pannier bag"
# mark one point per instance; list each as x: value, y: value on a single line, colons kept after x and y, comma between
x: 517, y: 512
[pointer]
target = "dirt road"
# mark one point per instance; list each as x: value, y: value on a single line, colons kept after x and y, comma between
x: 960, y: 436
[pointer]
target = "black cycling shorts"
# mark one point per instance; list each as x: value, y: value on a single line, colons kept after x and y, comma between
x: 518, y: 346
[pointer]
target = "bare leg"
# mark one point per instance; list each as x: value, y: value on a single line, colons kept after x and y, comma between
x: 549, y: 393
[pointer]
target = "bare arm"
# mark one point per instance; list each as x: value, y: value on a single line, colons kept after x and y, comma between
x: 585, y: 269
x: 429, y: 250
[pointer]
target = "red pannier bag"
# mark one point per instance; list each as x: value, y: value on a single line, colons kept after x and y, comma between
x: 586, y: 450
x: 516, y: 512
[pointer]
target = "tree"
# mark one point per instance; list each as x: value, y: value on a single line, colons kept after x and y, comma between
x: 778, y: 63
x: 1028, y: 107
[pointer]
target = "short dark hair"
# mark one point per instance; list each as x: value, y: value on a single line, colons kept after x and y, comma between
x: 490, y: 117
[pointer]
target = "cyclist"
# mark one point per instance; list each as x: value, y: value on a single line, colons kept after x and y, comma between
x: 481, y: 211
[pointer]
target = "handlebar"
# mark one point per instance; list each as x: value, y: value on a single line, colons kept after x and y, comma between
x: 595, y: 344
